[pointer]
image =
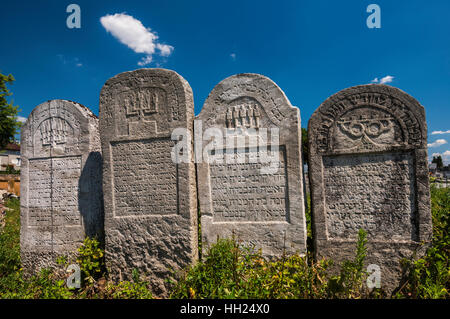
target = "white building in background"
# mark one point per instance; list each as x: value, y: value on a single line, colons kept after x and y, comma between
x: 10, y: 155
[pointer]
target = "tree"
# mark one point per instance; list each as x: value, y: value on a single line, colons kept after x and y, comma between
x: 438, y: 161
x: 305, y: 145
x: 9, y: 125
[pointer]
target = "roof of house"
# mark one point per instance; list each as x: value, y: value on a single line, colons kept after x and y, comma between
x: 12, y: 147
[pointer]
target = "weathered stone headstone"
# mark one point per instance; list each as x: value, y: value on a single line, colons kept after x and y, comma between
x: 61, y: 186
x: 249, y: 166
x: 368, y: 169
x: 150, y: 199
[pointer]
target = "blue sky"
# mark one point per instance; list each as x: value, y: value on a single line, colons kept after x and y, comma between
x: 311, y: 49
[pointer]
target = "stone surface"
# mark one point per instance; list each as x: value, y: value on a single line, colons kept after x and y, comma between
x: 150, y: 201
x: 61, y: 185
x: 257, y: 198
x: 368, y: 169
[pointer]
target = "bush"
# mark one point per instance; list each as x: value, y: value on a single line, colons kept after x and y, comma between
x: 429, y: 277
x: 49, y: 283
x: 10, y: 239
x: 232, y: 271
x: 91, y: 260
x: 229, y: 270
x: 350, y: 282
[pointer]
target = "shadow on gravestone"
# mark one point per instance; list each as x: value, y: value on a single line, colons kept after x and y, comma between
x: 90, y: 197
x: 369, y: 169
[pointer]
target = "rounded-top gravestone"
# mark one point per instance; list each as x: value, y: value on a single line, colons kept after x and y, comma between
x: 249, y: 166
x: 61, y: 187
x: 150, y: 196
x: 368, y: 170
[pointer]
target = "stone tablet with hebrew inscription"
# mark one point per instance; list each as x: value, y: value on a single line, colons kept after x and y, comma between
x: 249, y: 166
x: 150, y: 197
x: 61, y: 186
x: 368, y: 169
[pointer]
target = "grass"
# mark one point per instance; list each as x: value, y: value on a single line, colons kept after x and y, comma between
x: 228, y: 270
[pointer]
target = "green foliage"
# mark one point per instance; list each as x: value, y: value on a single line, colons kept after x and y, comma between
x: 49, y: 284
x: 429, y: 277
x: 438, y: 161
x: 9, y: 124
x: 229, y: 270
x: 10, y: 272
x: 308, y: 221
x: 44, y: 285
x: 91, y: 260
x: 128, y: 290
x: 305, y: 145
x: 10, y: 240
x: 9, y: 169
x: 12, y: 283
x: 232, y: 271
x: 349, y: 283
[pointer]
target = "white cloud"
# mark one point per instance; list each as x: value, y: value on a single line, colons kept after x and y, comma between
x: 445, y: 157
x: 21, y: 119
x: 69, y: 61
x: 165, y: 49
x: 233, y: 56
x: 437, y: 143
x: 386, y: 79
x: 440, y: 132
x: 134, y: 35
x: 436, y: 154
x: 145, y: 60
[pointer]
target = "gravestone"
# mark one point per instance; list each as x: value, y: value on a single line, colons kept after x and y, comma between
x: 150, y: 197
x: 61, y: 186
x: 249, y: 166
x: 368, y: 169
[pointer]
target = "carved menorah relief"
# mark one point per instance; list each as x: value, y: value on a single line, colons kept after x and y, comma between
x: 244, y: 115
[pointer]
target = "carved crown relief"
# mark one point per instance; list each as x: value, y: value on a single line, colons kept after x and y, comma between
x: 54, y: 131
x: 54, y: 136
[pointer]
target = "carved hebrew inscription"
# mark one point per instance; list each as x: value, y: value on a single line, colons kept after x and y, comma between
x: 373, y: 192
x: 240, y: 192
x: 268, y: 239
x: 144, y: 178
x: 53, y: 192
